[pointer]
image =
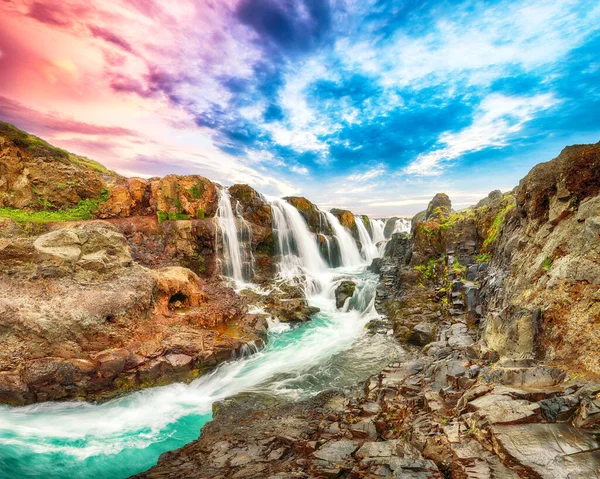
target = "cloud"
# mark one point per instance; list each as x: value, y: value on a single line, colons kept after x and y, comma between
x: 301, y: 170
x: 497, y: 119
x: 51, y: 123
x: 110, y: 37
x: 367, y: 175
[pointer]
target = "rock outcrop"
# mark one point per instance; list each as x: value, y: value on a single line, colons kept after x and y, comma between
x: 88, y: 322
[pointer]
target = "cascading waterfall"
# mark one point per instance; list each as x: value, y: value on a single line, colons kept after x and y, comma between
x: 297, y: 245
x: 369, y: 250
x: 377, y: 226
x: 236, y: 261
x: 126, y: 435
x: 348, y: 249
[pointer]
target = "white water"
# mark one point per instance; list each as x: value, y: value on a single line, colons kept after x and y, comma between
x: 348, y: 249
x: 126, y: 435
x: 232, y: 255
x: 369, y: 250
x: 299, y: 253
x: 378, y: 227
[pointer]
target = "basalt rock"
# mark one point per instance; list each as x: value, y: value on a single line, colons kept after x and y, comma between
x: 314, y: 218
x: 344, y: 291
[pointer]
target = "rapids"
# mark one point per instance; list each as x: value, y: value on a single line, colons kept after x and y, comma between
x: 124, y: 436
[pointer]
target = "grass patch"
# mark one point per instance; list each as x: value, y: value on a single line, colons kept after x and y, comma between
x: 83, y: 211
x: 496, y: 224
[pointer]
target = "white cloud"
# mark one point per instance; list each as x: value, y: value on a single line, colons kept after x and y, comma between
x: 301, y: 170
x: 477, y: 46
x: 367, y: 175
x: 496, y: 120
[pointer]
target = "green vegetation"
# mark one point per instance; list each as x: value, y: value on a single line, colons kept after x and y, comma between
x: 454, y: 218
x: 483, y: 258
x: 458, y: 268
x: 161, y: 215
x: 497, y: 223
x: 93, y: 165
x: 427, y: 271
x: 83, y: 211
x: 547, y: 264
x: 196, y: 191
x: 32, y: 144
x: 200, y: 213
x: 178, y: 216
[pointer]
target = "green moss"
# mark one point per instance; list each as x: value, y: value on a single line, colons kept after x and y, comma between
x: 196, y: 191
x: 483, y: 258
x: 84, y: 210
x: 161, y: 215
x: 547, y: 264
x: 458, y: 268
x: 178, y: 216
x: 427, y: 271
x: 200, y: 213
x: 497, y: 223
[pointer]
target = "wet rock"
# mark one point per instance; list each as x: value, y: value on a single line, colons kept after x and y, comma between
x: 344, y: 291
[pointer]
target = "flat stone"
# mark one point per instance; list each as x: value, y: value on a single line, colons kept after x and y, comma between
x: 377, y: 449
x: 552, y: 451
x: 337, y: 452
x: 497, y: 409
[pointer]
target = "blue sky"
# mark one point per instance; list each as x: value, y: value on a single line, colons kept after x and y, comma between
x: 370, y: 105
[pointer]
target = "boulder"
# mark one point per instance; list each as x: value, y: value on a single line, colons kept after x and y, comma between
x: 344, y: 291
x: 439, y: 208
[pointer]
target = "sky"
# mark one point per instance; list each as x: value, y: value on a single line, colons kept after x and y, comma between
x: 369, y: 105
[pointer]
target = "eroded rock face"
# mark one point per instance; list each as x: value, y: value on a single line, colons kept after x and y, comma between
x: 193, y: 196
x: 90, y: 323
x: 439, y: 208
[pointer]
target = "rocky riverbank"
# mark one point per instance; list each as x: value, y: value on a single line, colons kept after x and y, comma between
x: 497, y: 305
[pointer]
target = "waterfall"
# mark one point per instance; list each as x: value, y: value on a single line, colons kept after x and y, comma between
x: 297, y: 245
x: 369, y: 250
x: 234, y: 257
x: 348, y: 249
x: 377, y: 226
x: 402, y: 225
